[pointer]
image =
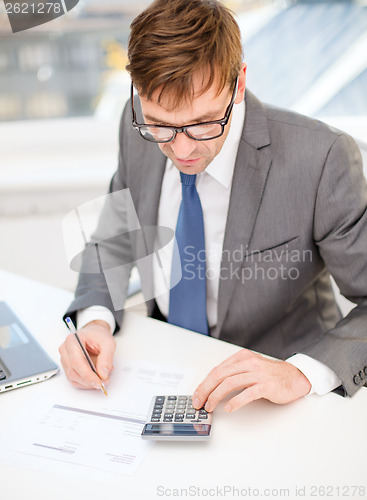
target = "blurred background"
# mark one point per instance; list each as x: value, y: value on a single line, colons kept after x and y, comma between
x: 63, y: 87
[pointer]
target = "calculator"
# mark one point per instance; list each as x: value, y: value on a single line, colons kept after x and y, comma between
x: 173, y: 418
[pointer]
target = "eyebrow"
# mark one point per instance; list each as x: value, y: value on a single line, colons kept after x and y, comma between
x: 204, y: 118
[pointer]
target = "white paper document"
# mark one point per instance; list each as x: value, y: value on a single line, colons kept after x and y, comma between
x: 87, y: 430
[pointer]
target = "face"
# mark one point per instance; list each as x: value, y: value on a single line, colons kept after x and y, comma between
x: 188, y: 155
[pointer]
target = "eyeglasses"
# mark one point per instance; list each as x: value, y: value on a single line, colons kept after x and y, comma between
x: 204, y: 131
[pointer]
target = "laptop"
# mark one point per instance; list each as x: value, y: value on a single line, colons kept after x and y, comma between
x: 22, y: 359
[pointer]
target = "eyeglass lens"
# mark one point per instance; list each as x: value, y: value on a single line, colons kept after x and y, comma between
x: 198, y: 132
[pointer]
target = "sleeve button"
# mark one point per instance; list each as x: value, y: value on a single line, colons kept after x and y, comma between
x: 357, y: 379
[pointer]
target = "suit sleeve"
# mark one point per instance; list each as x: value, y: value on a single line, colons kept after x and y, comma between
x: 340, y: 230
x: 107, y: 259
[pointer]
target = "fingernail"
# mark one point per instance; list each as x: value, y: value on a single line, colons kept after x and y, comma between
x: 196, y: 402
x: 207, y: 406
x: 228, y: 408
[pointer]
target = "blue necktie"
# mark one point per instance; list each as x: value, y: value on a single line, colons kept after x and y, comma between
x: 187, y: 305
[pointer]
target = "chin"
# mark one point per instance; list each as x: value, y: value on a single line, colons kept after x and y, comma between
x: 191, y: 169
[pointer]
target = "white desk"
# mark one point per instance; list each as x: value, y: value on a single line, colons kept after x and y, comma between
x: 314, y: 442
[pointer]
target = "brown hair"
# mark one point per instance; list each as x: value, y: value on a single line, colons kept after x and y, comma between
x: 174, y: 39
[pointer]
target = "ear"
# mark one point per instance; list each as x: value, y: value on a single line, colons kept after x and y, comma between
x: 241, y: 84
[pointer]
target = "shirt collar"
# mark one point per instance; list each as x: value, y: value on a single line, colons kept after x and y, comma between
x: 222, y: 167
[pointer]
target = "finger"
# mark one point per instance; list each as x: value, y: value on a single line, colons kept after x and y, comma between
x: 250, y: 394
x: 72, y: 375
x: 75, y: 360
x: 230, y: 384
x: 104, y: 362
x: 214, y: 379
x: 76, y: 381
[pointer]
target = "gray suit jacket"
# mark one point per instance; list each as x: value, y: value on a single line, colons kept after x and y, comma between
x: 297, y: 213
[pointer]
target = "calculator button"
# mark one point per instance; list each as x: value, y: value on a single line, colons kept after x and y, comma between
x: 203, y: 416
x: 158, y: 406
x: 167, y: 419
x: 159, y: 399
x: 170, y: 407
x: 182, y: 398
x: 190, y: 415
x: 155, y: 419
x: 172, y: 398
x: 180, y: 412
x: 168, y: 415
x: 157, y: 413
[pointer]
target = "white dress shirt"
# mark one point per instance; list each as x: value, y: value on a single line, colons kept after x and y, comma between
x: 214, y: 189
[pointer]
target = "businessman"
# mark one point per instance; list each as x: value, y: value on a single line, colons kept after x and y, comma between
x: 265, y: 205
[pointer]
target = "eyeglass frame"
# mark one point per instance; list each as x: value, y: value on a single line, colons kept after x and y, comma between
x: 223, y: 121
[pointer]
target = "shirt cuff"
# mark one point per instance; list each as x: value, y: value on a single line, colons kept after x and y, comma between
x: 93, y: 313
x: 320, y: 376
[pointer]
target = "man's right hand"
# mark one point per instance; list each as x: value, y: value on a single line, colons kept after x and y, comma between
x: 100, y: 344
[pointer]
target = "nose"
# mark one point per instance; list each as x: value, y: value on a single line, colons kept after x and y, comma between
x: 182, y: 145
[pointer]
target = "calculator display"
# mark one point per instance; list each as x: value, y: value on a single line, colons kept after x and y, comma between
x: 175, y: 429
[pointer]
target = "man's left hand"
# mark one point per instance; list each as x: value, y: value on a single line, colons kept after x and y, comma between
x: 259, y: 377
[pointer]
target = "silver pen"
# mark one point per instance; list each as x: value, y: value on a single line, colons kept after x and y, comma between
x: 73, y: 330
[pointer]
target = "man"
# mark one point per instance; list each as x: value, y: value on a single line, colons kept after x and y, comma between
x: 280, y: 200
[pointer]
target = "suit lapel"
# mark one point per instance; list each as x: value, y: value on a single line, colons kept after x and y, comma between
x: 249, y: 178
x: 151, y: 176
x: 150, y: 183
